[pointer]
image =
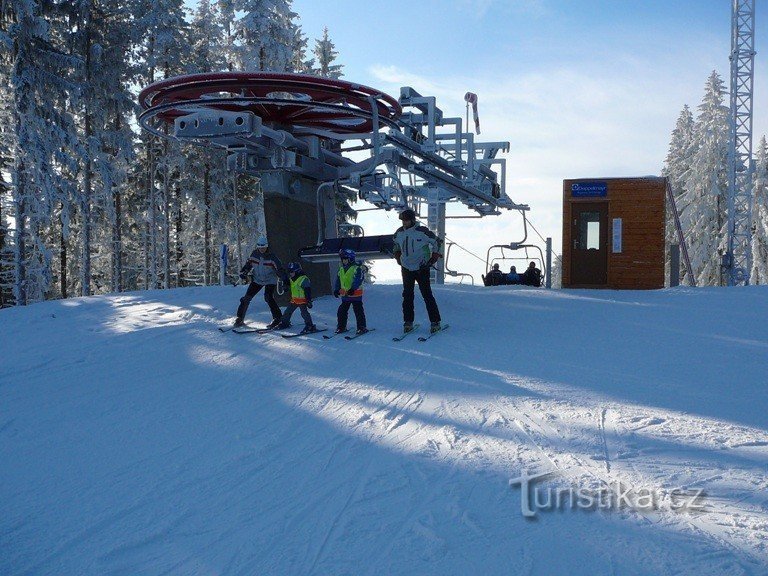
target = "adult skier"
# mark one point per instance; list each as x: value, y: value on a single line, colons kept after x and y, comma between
x: 416, y: 250
x: 265, y: 269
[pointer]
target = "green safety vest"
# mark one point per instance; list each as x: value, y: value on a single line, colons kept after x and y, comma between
x: 346, y: 277
x: 297, y: 290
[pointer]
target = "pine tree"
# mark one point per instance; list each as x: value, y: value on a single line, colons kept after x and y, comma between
x: 301, y: 64
x: 207, y: 40
x: 704, y: 202
x: 202, y: 173
x: 105, y: 39
x: 759, y: 272
x: 677, y: 166
x: 226, y: 22
x: 325, y: 55
x: 7, y: 139
x: 265, y: 35
x: 165, y: 41
x: 45, y: 138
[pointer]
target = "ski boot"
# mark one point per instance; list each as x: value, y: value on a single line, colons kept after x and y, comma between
x: 309, y: 329
x: 239, y: 323
x: 361, y: 331
x: 434, y: 327
x: 407, y: 327
x: 274, y: 324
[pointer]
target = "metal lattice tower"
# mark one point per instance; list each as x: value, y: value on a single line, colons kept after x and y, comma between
x: 738, y: 259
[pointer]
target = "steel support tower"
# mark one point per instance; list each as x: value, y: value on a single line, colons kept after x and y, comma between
x: 737, y: 261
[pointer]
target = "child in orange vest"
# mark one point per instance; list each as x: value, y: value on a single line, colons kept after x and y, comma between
x: 301, y: 298
x: 349, y: 285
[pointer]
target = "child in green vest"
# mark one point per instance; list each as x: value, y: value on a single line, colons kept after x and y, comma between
x: 349, y: 285
x: 301, y: 298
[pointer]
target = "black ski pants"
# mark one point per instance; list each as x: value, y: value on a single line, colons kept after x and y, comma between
x: 410, y: 278
x: 291, y: 308
x: 269, y: 298
x: 343, y: 313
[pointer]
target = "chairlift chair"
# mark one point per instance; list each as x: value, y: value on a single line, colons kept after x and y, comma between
x: 454, y: 273
x: 366, y: 248
x: 512, y: 247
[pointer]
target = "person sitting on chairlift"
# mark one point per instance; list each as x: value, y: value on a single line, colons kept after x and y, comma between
x: 496, y: 277
x: 532, y: 276
x: 513, y: 277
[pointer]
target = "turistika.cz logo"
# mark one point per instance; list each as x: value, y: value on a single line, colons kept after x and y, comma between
x: 612, y: 495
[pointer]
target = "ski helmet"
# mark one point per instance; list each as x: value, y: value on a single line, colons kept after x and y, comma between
x: 407, y: 214
x: 348, y: 254
x: 261, y: 242
x: 294, y: 267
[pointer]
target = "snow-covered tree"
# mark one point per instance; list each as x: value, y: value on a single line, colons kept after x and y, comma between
x: 225, y: 12
x: 556, y: 273
x: 45, y: 139
x: 265, y: 35
x: 759, y: 272
x: 203, y: 173
x: 164, y: 47
x: 7, y: 138
x: 704, y: 202
x: 301, y: 63
x: 207, y: 40
x: 108, y: 107
x: 681, y: 149
x: 102, y: 41
x: 676, y: 168
x: 325, y: 56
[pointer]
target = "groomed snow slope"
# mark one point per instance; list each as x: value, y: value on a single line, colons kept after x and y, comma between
x: 135, y: 438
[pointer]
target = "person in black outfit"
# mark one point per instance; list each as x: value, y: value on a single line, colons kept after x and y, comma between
x: 264, y: 269
x: 416, y: 250
x: 496, y: 277
x: 532, y: 276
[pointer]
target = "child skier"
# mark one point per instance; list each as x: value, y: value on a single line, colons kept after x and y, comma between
x: 349, y: 285
x: 301, y: 298
x: 265, y: 268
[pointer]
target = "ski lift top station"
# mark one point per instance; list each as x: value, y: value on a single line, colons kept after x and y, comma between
x: 298, y: 134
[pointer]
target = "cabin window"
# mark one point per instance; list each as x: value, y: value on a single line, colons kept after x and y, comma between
x: 589, y: 230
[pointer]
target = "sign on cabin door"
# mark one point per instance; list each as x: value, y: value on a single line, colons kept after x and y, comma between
x: 589, y: 234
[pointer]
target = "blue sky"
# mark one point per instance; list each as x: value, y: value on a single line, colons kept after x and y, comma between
x: 579, y: 88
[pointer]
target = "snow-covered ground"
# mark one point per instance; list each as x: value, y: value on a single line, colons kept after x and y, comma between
x: 135, y: 438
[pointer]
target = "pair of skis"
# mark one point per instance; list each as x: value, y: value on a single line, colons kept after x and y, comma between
x: 245, y: 329
x: 352, y: 337
x: 421, y: 338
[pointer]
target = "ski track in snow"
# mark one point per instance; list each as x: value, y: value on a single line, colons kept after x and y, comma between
x: 142, y: 440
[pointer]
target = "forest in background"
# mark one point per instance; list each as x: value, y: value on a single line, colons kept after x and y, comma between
x: 89, y: 202
x: 697, y: 168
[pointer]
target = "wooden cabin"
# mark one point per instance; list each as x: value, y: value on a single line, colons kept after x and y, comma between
x: 613, y: 233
